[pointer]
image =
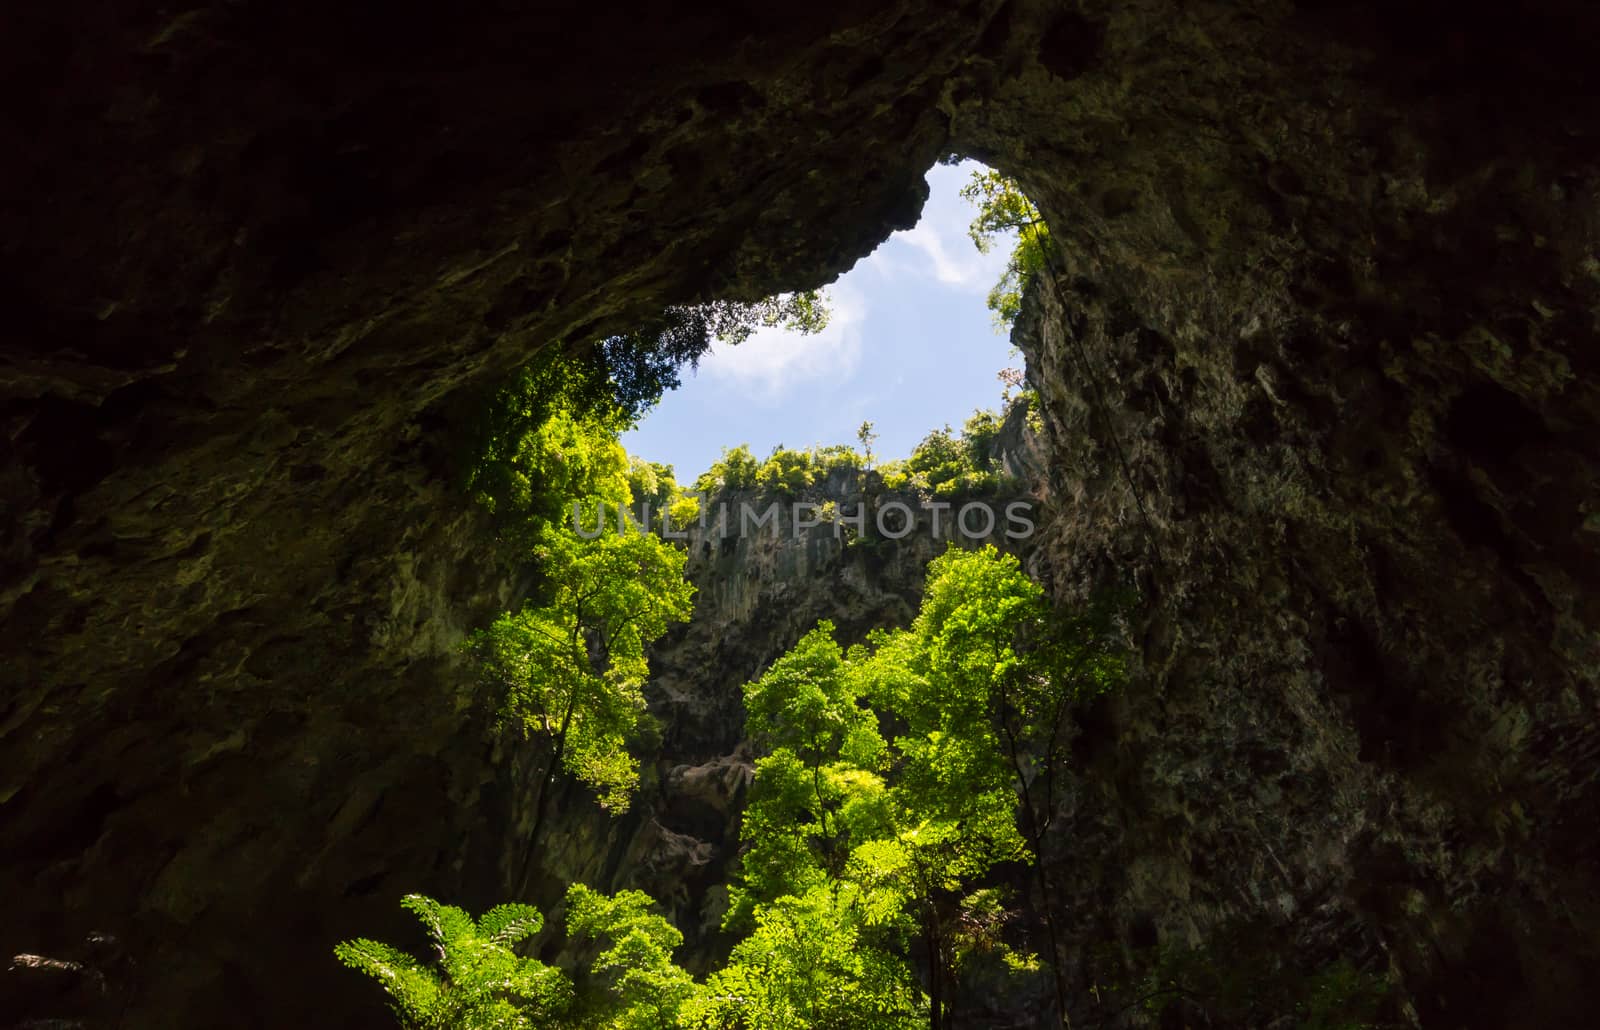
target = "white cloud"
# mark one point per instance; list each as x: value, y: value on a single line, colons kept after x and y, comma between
x: 772, y: 361
x: 946, y: 268
x: 939, y: 247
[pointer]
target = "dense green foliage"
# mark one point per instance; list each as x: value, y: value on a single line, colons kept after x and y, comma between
x: 652, y: 483
x: 571, y: 670
x: 945, y: 463
x: 568, y: 669
x: 905, y: 831
x: 862, y: 890
x: 478, y: 982
x: 1002, y: 209
x: 813, y: 962
x: 636, y: 984
x: 521, y: 461
x: 547, y: 439
x: 735, y: 470
x: 658, y: 498
x: 950, y: 464
x: 783, y: 471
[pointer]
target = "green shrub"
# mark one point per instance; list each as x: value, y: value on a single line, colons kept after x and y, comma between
x: 735, y: 470
x: 786, y: 471
x: 684, y: 511
x: 970, y: 484
x: 979, y: 435
x: 837, y: 458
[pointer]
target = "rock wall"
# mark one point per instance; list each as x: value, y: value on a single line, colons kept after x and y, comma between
x: 257, y: 258
x: 1316, y: 354
x: 1317, y: 358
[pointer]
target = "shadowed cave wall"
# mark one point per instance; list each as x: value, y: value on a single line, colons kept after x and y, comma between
x: 1316, y: 353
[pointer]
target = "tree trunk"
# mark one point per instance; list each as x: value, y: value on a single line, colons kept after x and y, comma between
x: 1033, y: 828
x: 541, y: 799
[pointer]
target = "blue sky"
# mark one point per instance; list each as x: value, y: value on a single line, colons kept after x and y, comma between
x: 910, y: 346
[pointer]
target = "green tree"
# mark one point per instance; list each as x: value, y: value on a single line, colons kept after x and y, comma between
x: 950, y: 464
x: 478, y: 981
x: 866, y: 435
x: 642, y: 989
x: 735, y: 470
x: 786, y: 471
x: 825, y: 948
x: 835, y: 457
x: 518, y: 463
x: 979, y: 435
x: 815, y: 961
x: 939, y: 458
x: 571, y: 670
x: 1003, y: 209
x: 815, y: 788
x: 953, y: 805
x: 956, y: 777
x: 536, y: 459
x: 910, y: 849
x: 1004, y: 671
x: 654, y: 489
x: 650, y: 482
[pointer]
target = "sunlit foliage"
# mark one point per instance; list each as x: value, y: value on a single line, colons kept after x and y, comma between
x: 571, y: 670
x: 812, y: 962
x: 909, y: 827
x: 949, y: 464
x: 1003, y: 209
x: 477, y: 982
x: 891, y: 780
x: 946, y: 463
x: 639, y: 987
x: 520, y: 462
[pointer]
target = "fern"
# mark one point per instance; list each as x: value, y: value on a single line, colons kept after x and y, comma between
x: 505, y: 925
x: 479, y: 982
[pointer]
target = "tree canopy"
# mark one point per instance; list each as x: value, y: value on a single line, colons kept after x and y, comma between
x: 906, y: 829
x: 572, y: 669
x: 526, y: 449
x: 893, y: 779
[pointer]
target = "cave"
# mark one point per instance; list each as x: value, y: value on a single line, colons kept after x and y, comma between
x: 1314, y: 355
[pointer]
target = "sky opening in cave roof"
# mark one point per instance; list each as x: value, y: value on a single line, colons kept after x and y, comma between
x: 911, y: 345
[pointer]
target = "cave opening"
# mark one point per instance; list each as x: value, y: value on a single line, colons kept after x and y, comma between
x: 910, y: 345
x: 255, y: 255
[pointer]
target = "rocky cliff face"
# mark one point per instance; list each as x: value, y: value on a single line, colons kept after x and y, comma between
x: 1318, y: 373
x: 759, y: 589
x: 1317, y: 358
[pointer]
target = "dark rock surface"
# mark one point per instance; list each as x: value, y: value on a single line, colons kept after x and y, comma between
x: 1317, y: 360
x: 251, y: 252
